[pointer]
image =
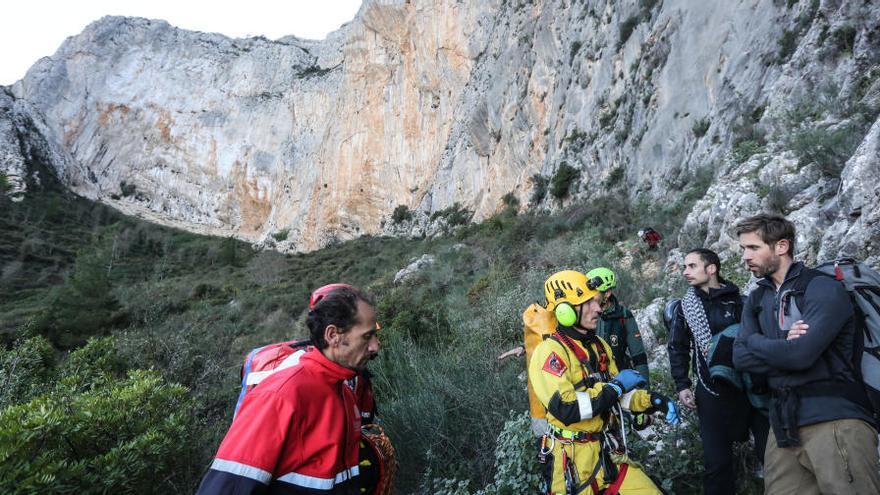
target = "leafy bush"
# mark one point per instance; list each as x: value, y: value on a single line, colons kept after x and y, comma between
x: 455, y: 214
x: 626, y: 29
x: 539, y: 189
x: 787, y: 45
x: 745, y: 149
x: 26, y: 370
x: 615, y: 177
x: 562, y: 181
x: 97, y: 431
x: 401, y: 214
x: 516, y: 470
x: 700, y: 127
x: 510, y: 200
x: 575, y: 47
x: 829, y: 148
x: 85, y: 305
x: 281, y: 235
x: 844, y: 38
x: 4, y: 183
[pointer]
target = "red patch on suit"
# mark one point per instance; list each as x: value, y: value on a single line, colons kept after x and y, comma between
x: 554, y: 365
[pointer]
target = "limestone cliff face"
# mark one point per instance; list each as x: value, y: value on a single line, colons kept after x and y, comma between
x: 431, y: 103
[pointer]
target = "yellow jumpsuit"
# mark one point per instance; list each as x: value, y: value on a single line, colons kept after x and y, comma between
x: 556, y: 377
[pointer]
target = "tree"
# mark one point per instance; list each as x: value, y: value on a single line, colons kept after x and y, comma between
x: 85, y: 304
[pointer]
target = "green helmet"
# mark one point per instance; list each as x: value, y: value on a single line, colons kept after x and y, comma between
x: 609, y: 280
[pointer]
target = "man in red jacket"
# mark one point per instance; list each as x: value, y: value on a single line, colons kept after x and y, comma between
x: 298, y: 432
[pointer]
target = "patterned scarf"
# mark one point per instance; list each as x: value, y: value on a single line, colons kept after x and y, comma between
x: 695, y: 314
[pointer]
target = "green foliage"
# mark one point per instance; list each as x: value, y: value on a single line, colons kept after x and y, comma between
x: 425, y: 377
x: 787, y: 45
x: 26, y: 370
x: 5, y: 186
x: 510, y: 201
x: 97, y: 430
x: 401, y: 214
x: 844, y: 38
x: 827, y: 147
x: 626, y: 29
x: 127, y: 189
x: 454, y: 215
x: 515, y: 468
x: 565, y: 176
x: 539, y: 189
x: 229, y: 252
x: 572, y: 52
x: 281, y: 235
x: 85, y: 305
x: 607, y: 117
x: 700, y: 127
x: 615, y: 177
x: 193, y: 306
x: 744, y: 150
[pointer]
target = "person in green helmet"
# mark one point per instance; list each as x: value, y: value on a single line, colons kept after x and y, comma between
x: 618, y: 327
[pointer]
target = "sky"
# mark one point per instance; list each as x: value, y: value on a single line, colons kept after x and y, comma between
x: 32, y: 29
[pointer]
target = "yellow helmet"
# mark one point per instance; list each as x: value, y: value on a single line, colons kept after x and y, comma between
x: 568, y: 286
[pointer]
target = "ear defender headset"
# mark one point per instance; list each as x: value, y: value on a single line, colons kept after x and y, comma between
x: 565, y: 314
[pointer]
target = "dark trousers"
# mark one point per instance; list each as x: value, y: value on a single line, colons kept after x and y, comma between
x: 725, y: 419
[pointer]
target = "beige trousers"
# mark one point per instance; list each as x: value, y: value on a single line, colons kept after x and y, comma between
x: 835, y: 457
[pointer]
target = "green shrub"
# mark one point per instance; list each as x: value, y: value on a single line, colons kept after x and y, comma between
x: 455, y: 214
x: 829, y: 148
x: 572, y: 52
x: 539, y: 189
x: 607, y: 116
x: 127, y: 189
x: 85, y: 305
x: 562, y: 181
x: 745, y: 149
x: 626, y: 29
x: 515, y: 471
x: 777, y: 199
x: 700, y: 127
x: 510, y: 200
x: 130, y: 436
x: 5, y: 186
x: 401, y: 214
x: 615, y: 177
x: 787, y: 45
x: 95, y: 430
x: 27, y: 370
x: 281, y: 235
x: 844, y: 38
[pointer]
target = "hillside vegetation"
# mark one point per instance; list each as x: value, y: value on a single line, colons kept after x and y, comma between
x: 123, y: 339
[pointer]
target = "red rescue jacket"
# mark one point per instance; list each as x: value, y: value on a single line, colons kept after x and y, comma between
x: 297, y: 433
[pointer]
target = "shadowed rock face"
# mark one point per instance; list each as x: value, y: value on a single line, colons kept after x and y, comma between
x: 429, y: 103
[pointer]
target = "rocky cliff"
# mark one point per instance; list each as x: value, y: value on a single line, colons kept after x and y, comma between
x: 426, y: 104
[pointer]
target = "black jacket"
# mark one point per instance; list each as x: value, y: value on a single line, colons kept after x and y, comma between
x: 825, y: 354
x: 723, y: 307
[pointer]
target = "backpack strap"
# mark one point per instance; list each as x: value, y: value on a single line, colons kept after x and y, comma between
x: 853, y: 391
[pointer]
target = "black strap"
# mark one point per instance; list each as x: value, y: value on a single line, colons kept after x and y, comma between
x: 851, y: 391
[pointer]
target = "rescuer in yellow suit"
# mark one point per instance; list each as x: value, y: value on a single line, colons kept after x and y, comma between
x: 575, y: 378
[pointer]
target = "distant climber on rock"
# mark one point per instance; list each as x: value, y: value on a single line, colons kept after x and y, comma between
x: 650, y: 237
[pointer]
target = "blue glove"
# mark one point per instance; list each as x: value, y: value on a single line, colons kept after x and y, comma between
x: 666, y: 405
x: 629, y: 380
